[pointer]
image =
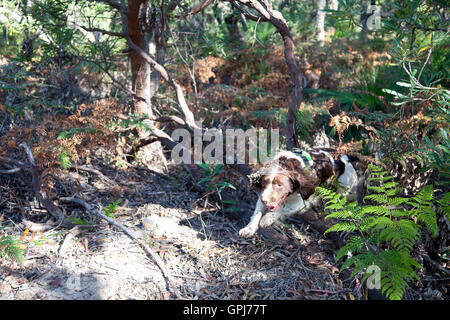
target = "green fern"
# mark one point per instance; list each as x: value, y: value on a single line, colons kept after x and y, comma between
x: 64, y: 160
x: 383, y: 229
x: 10, y: 248
x: 444, y: 205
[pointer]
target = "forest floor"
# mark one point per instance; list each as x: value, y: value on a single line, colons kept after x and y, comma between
x: 197, y: 241
x: 198, y: 244
x: 200, y: 248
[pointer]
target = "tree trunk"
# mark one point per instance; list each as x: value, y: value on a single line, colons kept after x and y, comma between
x: 140, y: 69
x: 334, y: 4
x: 363, y: 19
x: 158, y: 50
x: 320, y: 21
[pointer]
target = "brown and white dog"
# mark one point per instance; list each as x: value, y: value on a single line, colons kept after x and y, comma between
x: 286, y: 184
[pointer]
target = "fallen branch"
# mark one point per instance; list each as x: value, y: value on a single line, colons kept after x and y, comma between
x: 10, y: 171
x: 36, y: 227
x: 95, y: 171
x: 436, y: 264
x: 130, y: 234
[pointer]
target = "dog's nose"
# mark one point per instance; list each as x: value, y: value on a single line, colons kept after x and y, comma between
x: 270, y: 206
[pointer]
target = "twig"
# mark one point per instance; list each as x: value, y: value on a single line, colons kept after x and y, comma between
x: 147, y: 250
x: 13, y: 170
x: 36, y: 227
x: 28, y: 153
x: 196, y: 9
x: 436, y: 264
x: 97, y: 172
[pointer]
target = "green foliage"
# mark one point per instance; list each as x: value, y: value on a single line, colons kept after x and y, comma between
x: 444, y: 205
x: 383, y: 230
x: 73, y: 131
x: 78, y: 221
x: 11, y: 248
x: 134, y: 120
x: 64, y: 159
x: 112, y: 207
x: 211, y: 172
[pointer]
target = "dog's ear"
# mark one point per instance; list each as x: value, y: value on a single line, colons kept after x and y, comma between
x: 255, y: 180
x: 304, y: 182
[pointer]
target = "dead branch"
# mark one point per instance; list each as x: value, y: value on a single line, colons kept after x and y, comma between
x: 248, y: 14
x: 10, y: 171
x: 189, y: 116
x: 196, y: 9
x: 8, y: 162
x: 97, y: 172
x: 28, y: 153
x: 36, y: 227
x: 107, y: 32
x: 436, y: 264
x: 130, y: 234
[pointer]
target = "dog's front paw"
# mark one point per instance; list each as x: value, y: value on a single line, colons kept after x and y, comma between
x: 247, y: 232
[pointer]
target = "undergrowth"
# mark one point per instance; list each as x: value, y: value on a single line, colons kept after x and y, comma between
x: 383, y: 230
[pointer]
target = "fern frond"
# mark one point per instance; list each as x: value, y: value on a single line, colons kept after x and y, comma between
x: 392, y: 192
x: 10, y: 247
x: 397, y: 267
x: 340, y: 214
x: 424, y: 196
x: 427, y: 216
x: 390, y: 185
x: 354, y: 245
x: 378, y: 198
x: 396, y: 201
x: 378, y: 189
x: 378, y: 210
x: 347, y: 226
x: 444, y: 205
x: 385, y: 221
x: 401, y: 234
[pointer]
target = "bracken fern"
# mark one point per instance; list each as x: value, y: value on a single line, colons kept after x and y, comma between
x: 383, y: 230
x: 11, y: 248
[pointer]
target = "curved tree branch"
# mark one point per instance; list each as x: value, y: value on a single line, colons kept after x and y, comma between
x: 298, y: 81
x: 196, y: 9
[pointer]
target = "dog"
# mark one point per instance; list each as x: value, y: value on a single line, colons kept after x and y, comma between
x: 286, y: 184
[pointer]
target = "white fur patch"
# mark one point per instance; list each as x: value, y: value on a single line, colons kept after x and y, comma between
x: 349, y: 179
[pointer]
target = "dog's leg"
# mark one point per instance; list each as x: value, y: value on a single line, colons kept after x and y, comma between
x: 270, y: 218
x: 251, y: 228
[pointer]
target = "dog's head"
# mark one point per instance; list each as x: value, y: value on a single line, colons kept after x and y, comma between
x: 281, y: 177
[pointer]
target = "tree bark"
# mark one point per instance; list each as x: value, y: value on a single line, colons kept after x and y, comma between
x: 334, y: 4
x: 320, y: 21
x: 140, y: 69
